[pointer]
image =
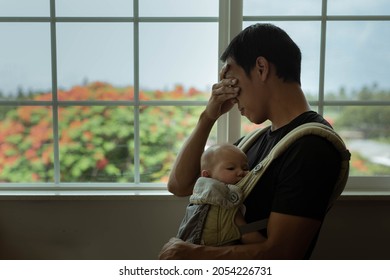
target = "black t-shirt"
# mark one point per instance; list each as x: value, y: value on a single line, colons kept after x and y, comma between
x: 300, y: 181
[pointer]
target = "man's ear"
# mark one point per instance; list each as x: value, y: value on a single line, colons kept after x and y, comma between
x: 262, y: 67
x: 205, y: 173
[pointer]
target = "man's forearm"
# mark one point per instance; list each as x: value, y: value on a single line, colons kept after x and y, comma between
x: 233, y: 252
x: 186, y: 168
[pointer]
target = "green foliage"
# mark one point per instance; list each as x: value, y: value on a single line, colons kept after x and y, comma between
x: 96, y: 143
x: 362, y: 166
x: 366, y: 122
x: 372, y: 121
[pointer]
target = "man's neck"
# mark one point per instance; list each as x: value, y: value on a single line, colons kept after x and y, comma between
x: 288, y: 102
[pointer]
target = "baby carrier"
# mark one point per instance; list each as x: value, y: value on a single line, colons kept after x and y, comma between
x: 212, y: 208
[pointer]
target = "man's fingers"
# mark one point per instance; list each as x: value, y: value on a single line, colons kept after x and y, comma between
x: 228, y: 91
x: 222, y: 74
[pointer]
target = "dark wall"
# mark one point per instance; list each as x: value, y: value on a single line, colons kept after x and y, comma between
x: 356, y: 229
x: 136, y: 228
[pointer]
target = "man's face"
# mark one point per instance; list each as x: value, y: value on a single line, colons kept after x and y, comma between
x: 250, y: 101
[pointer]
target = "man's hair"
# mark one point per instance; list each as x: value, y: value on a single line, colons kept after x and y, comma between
x: 270, y: 42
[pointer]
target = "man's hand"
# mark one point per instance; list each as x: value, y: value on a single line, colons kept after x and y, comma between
x: 223, y: 96
x: 175, y: 249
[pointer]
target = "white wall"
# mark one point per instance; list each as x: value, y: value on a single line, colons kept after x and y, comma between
x: 137, y: 227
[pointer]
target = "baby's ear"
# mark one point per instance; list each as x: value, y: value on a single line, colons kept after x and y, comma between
x: 205, y: 173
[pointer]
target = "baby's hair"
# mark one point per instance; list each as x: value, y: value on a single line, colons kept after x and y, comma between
x: 208, y: 156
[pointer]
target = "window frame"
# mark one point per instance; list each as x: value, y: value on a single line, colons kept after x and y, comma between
x: 230, y: 21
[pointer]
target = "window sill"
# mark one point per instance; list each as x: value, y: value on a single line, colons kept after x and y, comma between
x: 378, y: 186
x: 86, y: 191
x: 357, y: 188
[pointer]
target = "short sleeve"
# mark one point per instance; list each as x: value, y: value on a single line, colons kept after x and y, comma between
x: 308, y: 172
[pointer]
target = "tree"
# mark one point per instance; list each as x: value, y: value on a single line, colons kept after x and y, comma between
x: 96, y: 143
x: 373, y: 121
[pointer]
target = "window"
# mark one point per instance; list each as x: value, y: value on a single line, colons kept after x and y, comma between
x: 101, y: 92
x: 100, y: 95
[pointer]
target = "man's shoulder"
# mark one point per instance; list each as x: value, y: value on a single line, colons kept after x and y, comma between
x: 313, y: 150
x: 308, y: 117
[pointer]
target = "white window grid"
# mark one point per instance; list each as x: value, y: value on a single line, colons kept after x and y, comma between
x: 230, y: 21
x: 92, y: 188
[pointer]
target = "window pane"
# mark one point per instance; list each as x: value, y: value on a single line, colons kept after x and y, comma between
x: 29, y: 8
x: 281, y: 7
x: 247, y: 126
x: 96, y: 144
x: 366, y: 131
x: 307, y: 36
x: 182, y: 8
x: 86, y: 8
x: 358, y: 7
x: 25, y: 66
x: 163, y: 131
x: 26, y: 144
x: 178, y: 54
x: 349, y: 69
x: 95, y: 52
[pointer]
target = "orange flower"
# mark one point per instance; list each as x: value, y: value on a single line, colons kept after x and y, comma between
x: 101, y: 164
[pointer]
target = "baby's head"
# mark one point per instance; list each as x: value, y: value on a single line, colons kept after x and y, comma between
x: 224, y: 162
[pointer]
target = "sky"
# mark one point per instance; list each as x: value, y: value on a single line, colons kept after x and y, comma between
x: 182, y: 53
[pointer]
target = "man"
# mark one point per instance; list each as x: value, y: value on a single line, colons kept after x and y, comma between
x: 262, y: 76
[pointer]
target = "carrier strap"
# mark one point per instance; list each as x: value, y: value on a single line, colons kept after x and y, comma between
x: 247, y: 141
x: 250, y: 180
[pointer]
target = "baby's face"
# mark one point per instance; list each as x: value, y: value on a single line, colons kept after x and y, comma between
x: 230, y: 166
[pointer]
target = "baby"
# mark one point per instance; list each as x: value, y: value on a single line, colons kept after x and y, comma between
x: 228, y: 164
